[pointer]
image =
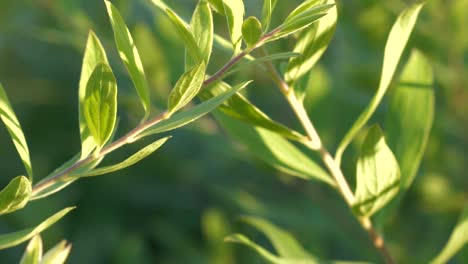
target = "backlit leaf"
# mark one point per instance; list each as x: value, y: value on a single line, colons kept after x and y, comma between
x: 202, y: 29
x: 396, y: 43
x: 129, y: 55
x: 217, y: 6
x: 16, y: 238
x: 377, y: 174
x: 14, y: 129
x: 234, y: 10
x: 187, y: 87
x: 58, y: 254
x: 15, y: 195
x: 259, y: 61
x: 267, y: 10
x: 251, y: 30
x: 33, y: 252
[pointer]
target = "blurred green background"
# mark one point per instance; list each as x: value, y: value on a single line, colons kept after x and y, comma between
x: 177, y: 205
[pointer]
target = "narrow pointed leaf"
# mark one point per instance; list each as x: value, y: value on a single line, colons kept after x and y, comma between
x: 267, y: 10
x: 396, y: 43
x: 458, y: 239
x: 141, y: 154
x: 14, y: 129
x: 312, y: 43
x: 16, y: 238
x: 93, y: 56
x: 377, y: 174
x: 241, y: 239
x: 58, y: 254
x: 100, y: 104
x: 241, y: 108
x: 251, y: 30
x: 186, y: 87
x: 129, y: 55
x: 234, y: 10
x: 186, y: 35
x: 217, y: 6
x: 259, y: 61
x: 202, y: 29
x: 186, y: 117
x: 15, y: 195
x: 33, y: 252
x: 409, y: 121
x: 275, y: 150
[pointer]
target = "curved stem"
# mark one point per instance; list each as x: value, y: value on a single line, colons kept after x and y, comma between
x: 333, y: 167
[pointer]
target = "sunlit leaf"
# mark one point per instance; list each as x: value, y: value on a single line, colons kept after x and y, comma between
x: 201, y: 26
x: 259, y: 61
x: 251, y: 30
x: 93, y: 56
x: 16, y: 238
x: 409, y: 121
x: 377, y: 174
x: 458, y: 239
x: 241, y: 108
x: 141, y: 154
x: 275, y: 150
x: 217, y: 6
x: 58, y: 254
x: 267, y: 10
x: 15, y: 195
x: 190, y: 115
x: 186, y: 87
x: 129, y: 55
x: 14, y: 129
x: 396, y: 43
x: 311, y: 43
x: 33, y: 252
x: 234, y: 10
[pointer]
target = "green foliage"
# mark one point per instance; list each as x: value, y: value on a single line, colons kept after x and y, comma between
x: 201, y: 27
x: 234, y: 10
x: 57, y: 255
x: 186, y: 87
x: 15, y: 195
x: 267, y: 11
x: 251, y: 30
x: 33, y: 252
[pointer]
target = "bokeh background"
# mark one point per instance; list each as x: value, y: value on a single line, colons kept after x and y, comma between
x: 177, y: 205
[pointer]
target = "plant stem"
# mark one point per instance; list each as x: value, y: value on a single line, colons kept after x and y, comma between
x: 315, y: 143
x: 133, y: 134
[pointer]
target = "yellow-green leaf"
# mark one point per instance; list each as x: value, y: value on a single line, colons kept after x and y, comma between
x: 251, y: 30
x: 15, y: 195
x: 201, y: 26
x: 14, y: 129
x: 396, y: 43
x: 58, y: 254
x: 267, y: 10
x: 234, y: 10
x: 33, y: 252
x: 187, y: 87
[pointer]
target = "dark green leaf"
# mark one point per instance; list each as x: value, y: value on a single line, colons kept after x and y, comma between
x: 100, y: 104
x: 202, y: 30
x: 312, y: 43
x: 15, y: 195
x: 267, y: 10
x: 458, y: 239
x: 183, y: 118
x: 396, y: 43
x: 234, y: 10
x: 93, y: 56
x: 251, y: 31
x: 141, y: 154
x: 275, y: 150
x: 33, y: 252
x: 187, y: 87
x: 16, y: 238
x: 14, y: 129
x: 129, y: 55
x: 241, y: 108
x: 409, y: 121
x: 377, y: 174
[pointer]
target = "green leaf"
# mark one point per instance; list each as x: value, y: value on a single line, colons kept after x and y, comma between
x: 33, y: 252
x: 186, y: 35
x: 251, y: 31
x: 93, y: 56
x: 16, y: 238
x: 187, y: 87
x: 100, y: 104
x: 217, y: 6
x: 129, y: 55
x: 312, y: 43
x: 396, y: 43
x: 58, y: 254
x: 202, y: 29
x: 183, y: 118
x: 458, y: 239
x: 409, y: 121
x: 14, y: 129
x: 15, y: 195
x: 256, y: 61
x: 267, y: 10
x: 141, y: 154
x: 241, y: 239
x: 377, y: 174
x: 234, y: 10
x: 241, y: 108
x: 275, y: 150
